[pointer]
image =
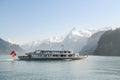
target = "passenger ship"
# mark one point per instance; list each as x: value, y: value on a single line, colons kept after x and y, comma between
x: 51, y: 55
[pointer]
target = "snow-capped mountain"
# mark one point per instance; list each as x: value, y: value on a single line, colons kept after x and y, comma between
x: 77, y: 40
x: 55, y: 39
x: 45, y: 44
x: 76, y: 34
x: 74, y: 40
x: 31, y: 45
x: 80, y: 33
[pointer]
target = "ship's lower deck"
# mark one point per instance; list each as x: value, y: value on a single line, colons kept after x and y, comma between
x: 50, y: 58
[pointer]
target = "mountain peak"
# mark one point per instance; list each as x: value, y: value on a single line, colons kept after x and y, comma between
x: 74, y: 28
x: 80, y: 32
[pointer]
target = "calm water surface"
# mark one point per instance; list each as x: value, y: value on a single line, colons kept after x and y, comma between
x: 92, y: 68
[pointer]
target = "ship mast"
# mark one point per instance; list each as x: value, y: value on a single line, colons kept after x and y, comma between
x: 62, y: 47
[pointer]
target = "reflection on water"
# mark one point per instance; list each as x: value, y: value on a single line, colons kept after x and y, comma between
x: 92, y: 68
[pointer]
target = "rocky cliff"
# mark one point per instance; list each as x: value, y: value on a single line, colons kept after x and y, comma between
x: 109, y: 43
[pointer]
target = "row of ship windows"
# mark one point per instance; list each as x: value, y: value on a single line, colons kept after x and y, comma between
x: 52, y: 52
x: 54, y: 55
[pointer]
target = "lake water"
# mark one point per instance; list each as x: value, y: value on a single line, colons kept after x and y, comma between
x: 91, y: 68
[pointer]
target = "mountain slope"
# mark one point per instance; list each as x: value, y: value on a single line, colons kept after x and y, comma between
x: 6, y: 47
x: 92, y: 43
x: 109, y: 43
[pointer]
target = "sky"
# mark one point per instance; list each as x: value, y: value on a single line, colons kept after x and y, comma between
x: 27, y: 20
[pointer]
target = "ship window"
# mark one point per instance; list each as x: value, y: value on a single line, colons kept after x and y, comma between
x: 40, y: 55
x: 50, y: 51
x: 45, y: 55
x: 63, y: 55
x: 69, y: 55
x: 48, y: 55
x: 55, y: 55
x: 68, y: 51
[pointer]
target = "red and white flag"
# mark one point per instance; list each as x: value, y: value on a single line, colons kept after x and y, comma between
x: 13, y: 53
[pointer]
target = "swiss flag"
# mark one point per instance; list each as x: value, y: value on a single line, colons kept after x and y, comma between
x: 13, y: 53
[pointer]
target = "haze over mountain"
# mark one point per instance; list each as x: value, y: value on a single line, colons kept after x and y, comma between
x: 78, y: 40
x: 74, y: 40
x: 6, y: 47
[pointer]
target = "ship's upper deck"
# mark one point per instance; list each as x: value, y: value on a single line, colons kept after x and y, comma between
x: 51, y: 52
